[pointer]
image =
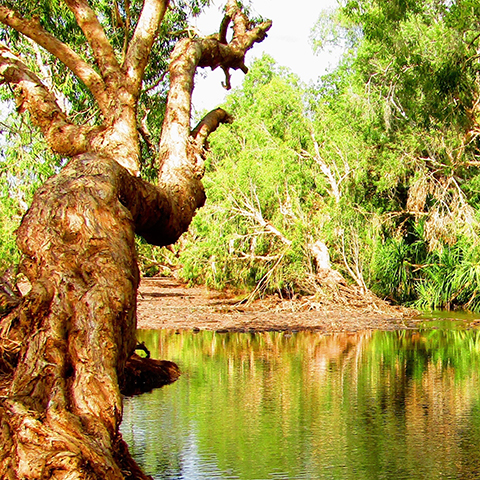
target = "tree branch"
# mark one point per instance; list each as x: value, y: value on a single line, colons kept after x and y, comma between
x: 141, y: 44
x: 180, y: 159
x: 98, y: 41
x: 62, y: 136
x: 209, y: 124
x: 32, y: 29
x: 222, y: 32
x: 217, y: 52
x: 191, y: 53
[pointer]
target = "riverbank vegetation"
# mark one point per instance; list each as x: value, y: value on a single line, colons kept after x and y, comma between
x: 378, y: 161
x: 373, y: 170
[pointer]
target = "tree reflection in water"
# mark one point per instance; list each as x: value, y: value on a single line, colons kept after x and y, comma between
x: 390, y: 405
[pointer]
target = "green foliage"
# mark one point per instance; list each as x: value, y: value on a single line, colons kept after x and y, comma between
x: 452, y: 279
x: 154, y: 260
x: 393, y: 188
x: 396, y: 268
x: 259, y: 187
x: 9, y: 220
x: 25, y: 164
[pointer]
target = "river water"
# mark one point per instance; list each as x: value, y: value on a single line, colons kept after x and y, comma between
x: 363, y: 406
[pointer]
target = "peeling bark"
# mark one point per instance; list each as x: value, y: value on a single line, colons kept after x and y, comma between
x: 68, y: 350
x: 79, y: 317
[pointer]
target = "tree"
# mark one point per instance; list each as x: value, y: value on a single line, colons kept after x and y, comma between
x: 379, y: 161
x: 67, y: 345
x: 412, y: 80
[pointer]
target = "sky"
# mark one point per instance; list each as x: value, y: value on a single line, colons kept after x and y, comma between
x: 287, y: 42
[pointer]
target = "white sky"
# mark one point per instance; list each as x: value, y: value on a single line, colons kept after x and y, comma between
x: 287, y: 42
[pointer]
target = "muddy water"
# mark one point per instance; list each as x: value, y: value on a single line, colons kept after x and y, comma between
x: 371, y: 405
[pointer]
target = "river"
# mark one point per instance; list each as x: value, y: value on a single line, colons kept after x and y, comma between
x: 363, y: 406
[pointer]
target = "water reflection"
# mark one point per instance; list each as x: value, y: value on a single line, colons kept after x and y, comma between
x: 371, y: 405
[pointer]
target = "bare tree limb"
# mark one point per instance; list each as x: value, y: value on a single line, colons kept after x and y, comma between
x: 326, y: 170
x: 141, y: 43
x: 209, y: 124
x: 191, y: 53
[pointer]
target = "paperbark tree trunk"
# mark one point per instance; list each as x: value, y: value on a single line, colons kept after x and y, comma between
x: 67, y: 351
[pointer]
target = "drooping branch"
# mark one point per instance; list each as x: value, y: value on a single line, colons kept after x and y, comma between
x: 32, y: 29
x: 208, y: 125
x: 141, y: 43
x: 63, y: 137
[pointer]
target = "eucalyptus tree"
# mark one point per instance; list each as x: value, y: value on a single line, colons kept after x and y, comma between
x: 80, y: 70
x: 412, y: 79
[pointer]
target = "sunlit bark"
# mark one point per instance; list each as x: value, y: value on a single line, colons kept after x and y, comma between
x: 69, y: 346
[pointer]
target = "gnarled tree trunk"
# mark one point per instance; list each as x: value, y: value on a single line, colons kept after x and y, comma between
x: 73, y: 335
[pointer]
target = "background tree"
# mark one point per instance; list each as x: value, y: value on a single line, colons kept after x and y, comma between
x: 418, y: 62
x: 276, y: 181
x: 67, y: 345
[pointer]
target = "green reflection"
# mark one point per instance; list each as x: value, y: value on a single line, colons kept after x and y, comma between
x: 386, y: 405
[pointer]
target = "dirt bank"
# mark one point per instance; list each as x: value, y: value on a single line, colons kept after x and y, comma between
x: 165, y: 303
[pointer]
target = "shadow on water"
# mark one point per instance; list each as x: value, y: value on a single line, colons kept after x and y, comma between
x: 370, y: 405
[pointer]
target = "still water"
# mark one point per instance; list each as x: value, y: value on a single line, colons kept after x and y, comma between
x: 363, y: 406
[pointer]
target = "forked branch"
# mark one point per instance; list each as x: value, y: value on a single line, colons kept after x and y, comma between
x: 33, y: 30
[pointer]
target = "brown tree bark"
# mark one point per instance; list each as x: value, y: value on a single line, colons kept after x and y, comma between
x: 67, y: 351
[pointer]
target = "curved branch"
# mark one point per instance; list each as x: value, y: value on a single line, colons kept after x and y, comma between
x: 222, y: 32
x: 215, y: 53
x: 32, y: 29
x: 62, y: 136
x: 244, y: 37
x: 208, y: 125
x: 191, y: 53
x: 141, y: 43
x: 98, y: 41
